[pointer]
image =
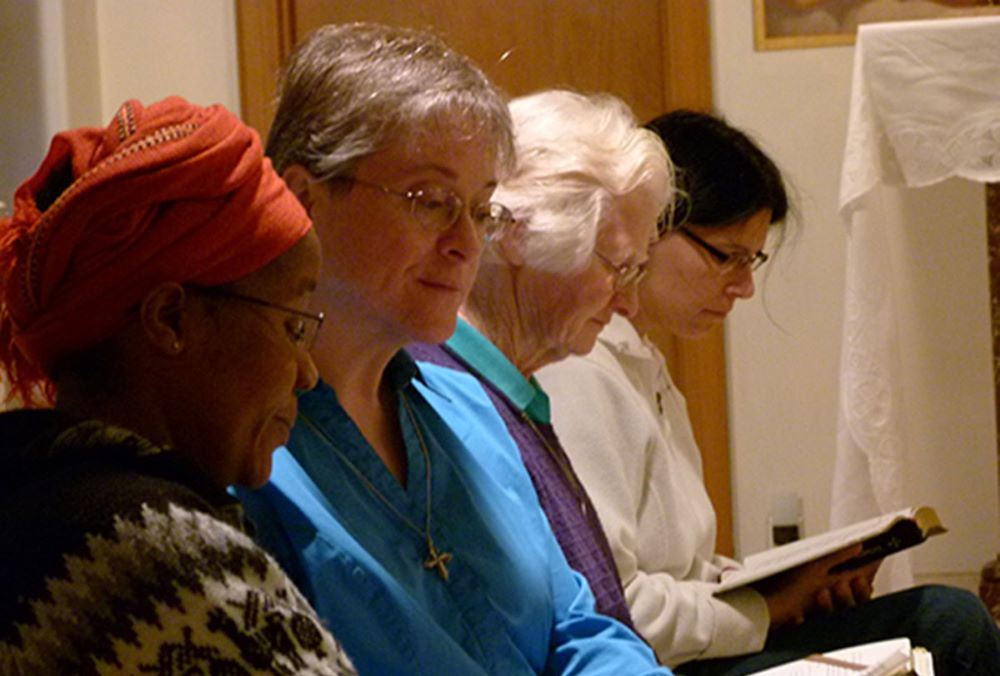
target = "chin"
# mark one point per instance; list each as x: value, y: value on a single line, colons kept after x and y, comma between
x: 584, y: 343
x: 257, y: 475
x: 257, y: 470
x: 435, y: 333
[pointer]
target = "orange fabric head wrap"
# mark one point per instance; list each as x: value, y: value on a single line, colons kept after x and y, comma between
x: 169, y: 192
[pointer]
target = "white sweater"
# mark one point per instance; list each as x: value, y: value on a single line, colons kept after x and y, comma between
x: 625, y: 426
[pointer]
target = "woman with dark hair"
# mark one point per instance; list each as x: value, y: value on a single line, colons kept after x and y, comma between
x: 625, y: 426
x: 154, y: 279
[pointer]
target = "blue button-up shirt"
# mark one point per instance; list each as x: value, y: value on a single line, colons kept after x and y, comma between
x: 524, y: 407
x: 511, y: 604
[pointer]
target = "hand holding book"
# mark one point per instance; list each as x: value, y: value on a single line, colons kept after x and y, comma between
x: 852, y: 586
x: 795, y: 594
x: 878, y: 537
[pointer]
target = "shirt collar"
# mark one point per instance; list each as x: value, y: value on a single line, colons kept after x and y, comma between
x: 620, y: 336
x: 492, y: 364
x: 401, y: 369
x: 400, y: 372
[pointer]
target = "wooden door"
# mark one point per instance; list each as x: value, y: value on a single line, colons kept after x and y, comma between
x: 654, y: 54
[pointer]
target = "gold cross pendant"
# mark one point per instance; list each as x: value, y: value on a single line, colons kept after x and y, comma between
x: 437, y: 559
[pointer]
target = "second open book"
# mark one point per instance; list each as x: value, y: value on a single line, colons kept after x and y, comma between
x: 880, y: 536
x: 892, y: 657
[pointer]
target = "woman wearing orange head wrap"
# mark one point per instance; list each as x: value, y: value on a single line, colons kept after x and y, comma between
x: 155, y: 276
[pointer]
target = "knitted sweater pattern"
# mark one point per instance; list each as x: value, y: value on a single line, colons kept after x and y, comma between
x: 116, y: 559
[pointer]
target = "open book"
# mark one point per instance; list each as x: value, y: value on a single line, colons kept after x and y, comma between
x: 880, y: 536
x: 893, y: 657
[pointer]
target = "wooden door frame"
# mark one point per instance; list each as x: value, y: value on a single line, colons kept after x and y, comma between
x: 266, y: 35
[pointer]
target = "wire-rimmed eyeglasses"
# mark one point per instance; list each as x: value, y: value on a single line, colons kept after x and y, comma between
x: 727, y: 261
x: 439, y: 209
x: 625, y: 274
x: 301, y: 327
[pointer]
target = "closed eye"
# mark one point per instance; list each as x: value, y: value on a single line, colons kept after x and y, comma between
x: 434, y: 200
x: 297, y: 329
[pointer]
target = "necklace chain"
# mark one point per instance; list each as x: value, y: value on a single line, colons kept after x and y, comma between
x: 436, y: 559
x: 562, y: 462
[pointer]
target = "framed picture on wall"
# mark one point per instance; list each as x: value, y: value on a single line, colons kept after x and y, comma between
x: 793, y: 24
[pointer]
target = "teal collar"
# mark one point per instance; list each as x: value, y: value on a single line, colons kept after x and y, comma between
x: 492, y: 364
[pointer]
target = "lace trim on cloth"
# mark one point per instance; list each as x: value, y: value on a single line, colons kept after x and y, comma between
x: 174, y: 592
x: 924, y: 105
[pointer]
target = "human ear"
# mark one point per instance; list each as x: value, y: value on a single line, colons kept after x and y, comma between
x: 302, y: 183
x: 162, y: 316
x: 510, y: 243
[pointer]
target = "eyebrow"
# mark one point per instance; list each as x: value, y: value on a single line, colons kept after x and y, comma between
x: 446, y: 172
x: 305, y: 285
x: 727, y: 245
x: 434, y: 167
x: 633, y: 254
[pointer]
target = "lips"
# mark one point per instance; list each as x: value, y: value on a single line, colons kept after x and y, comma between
x: 717, y: 314
x: 443, y: 286
x: 453, y: 288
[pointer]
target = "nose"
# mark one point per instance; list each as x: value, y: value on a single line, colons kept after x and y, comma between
x: 740, y: 284
x: 464, y: 239
x: 307, y: 375
x: 626, y: 301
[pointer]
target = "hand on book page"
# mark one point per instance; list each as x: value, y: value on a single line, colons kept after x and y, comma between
x: 797, y: 593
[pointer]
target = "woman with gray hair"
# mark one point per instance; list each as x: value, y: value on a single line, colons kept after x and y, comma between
x: 400, y: 505
x: 588, y: 189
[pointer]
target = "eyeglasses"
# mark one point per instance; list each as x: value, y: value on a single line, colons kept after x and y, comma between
x: 728, y: 262
x: 302, y: 327
x: 439, y: 209
x: 625, y: 274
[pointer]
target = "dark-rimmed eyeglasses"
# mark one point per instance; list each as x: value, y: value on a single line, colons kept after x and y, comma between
x: 439, y: 209
x: 301, y: 327
x: 625, y: 274
x: 728, y: 262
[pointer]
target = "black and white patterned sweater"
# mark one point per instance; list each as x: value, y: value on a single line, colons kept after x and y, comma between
x: 116, y: 560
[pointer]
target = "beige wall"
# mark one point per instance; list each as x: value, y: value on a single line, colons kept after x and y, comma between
x: 149, y: 49
x: 73, y: 62
x: 784, y: 345
x: 28, y: 107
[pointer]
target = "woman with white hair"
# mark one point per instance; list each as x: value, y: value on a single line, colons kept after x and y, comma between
x: 588, y: 188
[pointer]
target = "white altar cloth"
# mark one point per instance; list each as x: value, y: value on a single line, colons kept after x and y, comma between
x: 925, y: 106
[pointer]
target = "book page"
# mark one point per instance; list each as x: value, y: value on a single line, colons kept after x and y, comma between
x: 764, y: 564
x: 923, y: 662
x: 883, y: 658
x: 828, y: 542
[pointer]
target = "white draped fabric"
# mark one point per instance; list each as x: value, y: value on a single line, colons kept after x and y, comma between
x: 925, y: 106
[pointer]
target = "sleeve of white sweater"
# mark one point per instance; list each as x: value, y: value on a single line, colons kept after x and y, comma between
x: 623, y: 458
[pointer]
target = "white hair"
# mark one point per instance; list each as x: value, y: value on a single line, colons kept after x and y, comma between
x: 576, y: 154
